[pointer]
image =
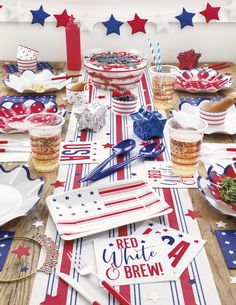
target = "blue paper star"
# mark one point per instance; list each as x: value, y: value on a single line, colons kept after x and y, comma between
x: 24, y: 269
x: 39, y: 16
x: 185, y: 18
x: 191, y: 281
x: 112, y: 25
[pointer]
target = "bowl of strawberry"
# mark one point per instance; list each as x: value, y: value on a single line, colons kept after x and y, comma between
x: 124, y: 102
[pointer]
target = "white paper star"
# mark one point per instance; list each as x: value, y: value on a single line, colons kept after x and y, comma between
x: 86, y: 23
x: 5, y: 236
x: 231, y: 8
x: 153, y: 296
x: 227, y: 242
x: 231, y: 252
x: 16, y: 12
x: 38, y: 223
x: 233, y: 279
x: 234, y: 262
x: 2, y: 245
x: 162, y: 23
x: 221, y: 224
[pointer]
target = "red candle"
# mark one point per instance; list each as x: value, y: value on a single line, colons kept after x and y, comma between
x: 73, y: 49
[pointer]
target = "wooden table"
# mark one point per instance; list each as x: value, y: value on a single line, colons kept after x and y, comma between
x: 19, y: 292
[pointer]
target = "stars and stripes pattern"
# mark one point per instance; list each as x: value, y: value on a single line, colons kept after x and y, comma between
x: 196, y: 284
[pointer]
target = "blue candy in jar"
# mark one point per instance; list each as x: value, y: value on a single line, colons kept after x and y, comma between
x: 148, y: 124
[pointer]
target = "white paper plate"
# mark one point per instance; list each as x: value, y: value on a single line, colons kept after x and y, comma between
x: 36, y: 82
x: 229, y: 126
x: 19, y: 192
x: 86, y: 211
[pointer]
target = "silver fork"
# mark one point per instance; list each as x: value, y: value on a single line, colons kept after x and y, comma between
x: 83, y: 269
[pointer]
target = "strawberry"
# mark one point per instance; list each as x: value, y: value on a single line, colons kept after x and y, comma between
x: 127, y: 92
x: 116, y: 93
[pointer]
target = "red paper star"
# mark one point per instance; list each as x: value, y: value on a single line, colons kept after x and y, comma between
x: 210, y: 13
x: 101, y: 97
x: 107, y: 145
x: 49, y: 300
x: 193, y: 214
x: 21, y: 250
x: 62, y: 19
x: 58, y: 183
x: 137, y: 24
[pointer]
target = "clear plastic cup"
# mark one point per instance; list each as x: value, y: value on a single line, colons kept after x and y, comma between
x: 163, y: 86
x: 45, y: 137
x: 185, y: 146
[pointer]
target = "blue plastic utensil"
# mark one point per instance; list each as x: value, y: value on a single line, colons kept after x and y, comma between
x: 149, y: 151
x: 120, y: 148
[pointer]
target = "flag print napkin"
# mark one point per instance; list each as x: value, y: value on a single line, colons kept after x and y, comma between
x: 227, y: 243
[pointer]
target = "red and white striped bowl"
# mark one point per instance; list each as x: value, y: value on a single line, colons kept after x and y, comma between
x: 213, y: 118
x: 124, y: 108
x: 27, y: 65
x: 109, y: 77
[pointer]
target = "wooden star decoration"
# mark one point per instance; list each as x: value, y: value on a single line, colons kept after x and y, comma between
x: 193, y: 214
x: 231, y: 9
x: 137, y: 24
x: 58, y: 183
x: 21, y: 250
x: 107, y: 145
x: 49, y: 300
x: 101, y: 97
x: 38, y: 223
x: 62, y: 19
x: 221, y: 224
x: 24, y: 269
x: 210, y: 13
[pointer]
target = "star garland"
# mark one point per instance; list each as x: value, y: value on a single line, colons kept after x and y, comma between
x: 137, y: 24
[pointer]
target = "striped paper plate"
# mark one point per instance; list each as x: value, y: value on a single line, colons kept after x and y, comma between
x: 82, y: 212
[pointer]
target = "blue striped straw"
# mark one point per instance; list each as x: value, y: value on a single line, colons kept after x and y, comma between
x: 153, y: 53
x: 159, y: 67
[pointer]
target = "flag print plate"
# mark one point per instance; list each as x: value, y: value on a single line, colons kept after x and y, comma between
x: 86, y: 211
x: 13, y: 111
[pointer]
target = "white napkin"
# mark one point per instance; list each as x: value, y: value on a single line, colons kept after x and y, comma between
x: 14, y: 156
x: 186, y: 120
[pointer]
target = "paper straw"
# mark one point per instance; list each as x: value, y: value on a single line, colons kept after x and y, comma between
x: 153, y: 53
x: 159, y: 67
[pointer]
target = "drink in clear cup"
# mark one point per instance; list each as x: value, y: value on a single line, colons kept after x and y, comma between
x: 185, y: 146
x: 163, y: 86
x: 45, y: 137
